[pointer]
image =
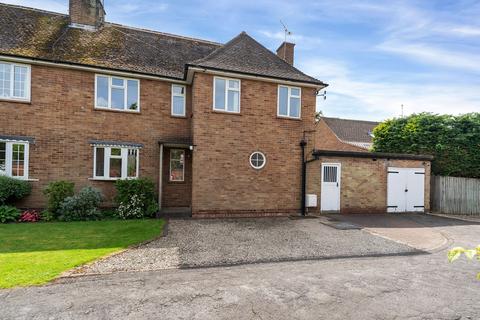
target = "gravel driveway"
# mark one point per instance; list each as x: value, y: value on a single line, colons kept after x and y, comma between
x: 221, y: 242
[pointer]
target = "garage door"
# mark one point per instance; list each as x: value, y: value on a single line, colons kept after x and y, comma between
x: 405, y: 189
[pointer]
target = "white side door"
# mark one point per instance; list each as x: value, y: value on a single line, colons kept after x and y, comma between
x: 330, y: 195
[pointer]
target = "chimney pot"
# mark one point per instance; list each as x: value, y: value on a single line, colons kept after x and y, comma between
x: 87, y: 14
x: 286, y: 51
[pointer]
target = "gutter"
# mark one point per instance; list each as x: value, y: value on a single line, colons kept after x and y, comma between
x: 373, y: 155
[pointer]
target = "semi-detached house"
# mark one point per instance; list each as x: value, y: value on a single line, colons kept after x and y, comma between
x: 216, y: 126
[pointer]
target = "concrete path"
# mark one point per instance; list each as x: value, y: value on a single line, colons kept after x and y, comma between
x: 416, y: 230
x: 225, y: 242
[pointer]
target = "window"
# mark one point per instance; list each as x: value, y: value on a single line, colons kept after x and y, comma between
x: 289, y: 101
x: 14, y: 159
x: 226, y: 94
x: 178, y: 100
x: 115, y: 163
x: 117, y: 93
x: 257, y: 160
x: 14, y: 81
x: 177, y: 165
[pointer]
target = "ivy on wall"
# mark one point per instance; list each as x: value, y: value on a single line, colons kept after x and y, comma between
x: 454, y: 141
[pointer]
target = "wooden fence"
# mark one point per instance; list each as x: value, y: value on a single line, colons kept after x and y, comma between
x: 454, y: 195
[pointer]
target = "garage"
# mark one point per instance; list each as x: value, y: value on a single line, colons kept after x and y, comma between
x: 367, y: 182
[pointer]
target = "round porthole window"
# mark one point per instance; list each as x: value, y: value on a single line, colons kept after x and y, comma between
x: 257, y: 160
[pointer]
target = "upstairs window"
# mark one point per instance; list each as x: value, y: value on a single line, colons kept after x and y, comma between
x: 178, y: 100
x: 226, y: 94
x: 14, y: 159
x: 117, y: 93
x: 289, y: 101
x: 111, y: 163
x: 14, y: 81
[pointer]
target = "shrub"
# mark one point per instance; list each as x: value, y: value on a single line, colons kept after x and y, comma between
x: 29, y: 216
x: 9, y: 214
x: 56, y: 193
x: 47, y: 216
x: 136, y: 198
x: 83, y: 206
x: 12, y: 189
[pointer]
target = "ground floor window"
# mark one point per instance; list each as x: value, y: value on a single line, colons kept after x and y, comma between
x: 115, y: 162
x: 14, y: 159
x: 177, y: 165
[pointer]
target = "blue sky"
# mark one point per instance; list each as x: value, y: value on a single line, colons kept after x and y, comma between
x: 375, y: 55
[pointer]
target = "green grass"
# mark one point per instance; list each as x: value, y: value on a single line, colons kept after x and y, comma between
x: 36, y: 253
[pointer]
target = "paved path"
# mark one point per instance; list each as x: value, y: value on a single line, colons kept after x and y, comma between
x: 207, y: 243
x: 396, y: 287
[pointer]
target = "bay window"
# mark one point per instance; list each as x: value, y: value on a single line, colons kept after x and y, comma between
x: 14, y: 81
x: 112, y: 162
x: 226, y: 94
x: 14, y: 159
x: 289, y: 101
x: 117, y: 93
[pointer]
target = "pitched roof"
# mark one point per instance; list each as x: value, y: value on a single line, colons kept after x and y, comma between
x: 245, y: 55
x: 354, y: 132
x: 38, y: 34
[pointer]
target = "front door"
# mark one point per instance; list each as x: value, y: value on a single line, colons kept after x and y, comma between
x: 330, y: 195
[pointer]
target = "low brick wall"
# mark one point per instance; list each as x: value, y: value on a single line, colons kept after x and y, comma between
x: 363, y: 182
x: 244, y: 213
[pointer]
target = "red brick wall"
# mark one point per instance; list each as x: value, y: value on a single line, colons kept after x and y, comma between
x: 223, y: 182
x: 62, y: 119
x: 325, y: 139
x: 363, y: 182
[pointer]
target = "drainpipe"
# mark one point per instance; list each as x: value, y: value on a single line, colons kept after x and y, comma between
x: 303, y: 143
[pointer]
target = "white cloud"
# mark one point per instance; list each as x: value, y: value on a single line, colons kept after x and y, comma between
x: 49, y: 5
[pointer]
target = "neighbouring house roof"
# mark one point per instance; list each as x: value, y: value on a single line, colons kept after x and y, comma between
x: 37, y: 34
x: 245, y: 55
x: 354, y: 132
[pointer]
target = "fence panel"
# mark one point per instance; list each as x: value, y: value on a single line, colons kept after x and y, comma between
x: 454, y: 195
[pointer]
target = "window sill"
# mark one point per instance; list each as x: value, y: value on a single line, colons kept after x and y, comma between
x: 117, y: 111
x: 178, y: 116
x: 110, y: 179
x: 16, y: 100
x: 227, y: 112
x: 289, y: 118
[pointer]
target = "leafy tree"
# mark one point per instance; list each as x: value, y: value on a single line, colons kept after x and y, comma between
x: 454, y: 141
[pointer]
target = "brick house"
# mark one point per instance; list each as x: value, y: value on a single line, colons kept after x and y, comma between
x: 216, y: 126
x: 344, y: 134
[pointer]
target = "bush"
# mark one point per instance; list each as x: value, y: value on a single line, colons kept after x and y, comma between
x: 12, y: 189
x: 136, y: 198
x: 9, y: 214
x: 57, y: 192
x: 83, y: 206
x: 47, y: 216
x: 30, y: 216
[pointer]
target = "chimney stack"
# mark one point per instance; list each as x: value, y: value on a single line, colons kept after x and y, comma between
x: 286, y: 52
x: 86, y: 14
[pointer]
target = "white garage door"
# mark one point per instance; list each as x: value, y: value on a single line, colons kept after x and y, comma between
x: 405, y: 189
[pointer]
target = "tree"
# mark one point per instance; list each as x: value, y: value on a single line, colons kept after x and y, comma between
x: 454, y: 141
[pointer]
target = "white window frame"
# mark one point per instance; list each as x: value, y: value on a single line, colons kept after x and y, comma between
x: 184, y: 96
x: 227, y: 88
x: 125, y: 94
x: 170, y: 166
x: 106, y: 162
x: 264, y: 160
x: 289, y: 95
x: 11, y: 97
x: 9, y: 158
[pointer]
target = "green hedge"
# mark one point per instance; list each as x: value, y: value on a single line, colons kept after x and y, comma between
x: 12, y: 190
x: 454, y: 141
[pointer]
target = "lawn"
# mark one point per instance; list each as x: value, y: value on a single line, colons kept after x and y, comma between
x: 36, y: 253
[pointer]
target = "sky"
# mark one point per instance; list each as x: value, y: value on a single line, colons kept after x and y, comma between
x: 375, y: 55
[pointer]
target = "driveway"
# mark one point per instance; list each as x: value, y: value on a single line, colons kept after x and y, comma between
x: 226, y: 242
